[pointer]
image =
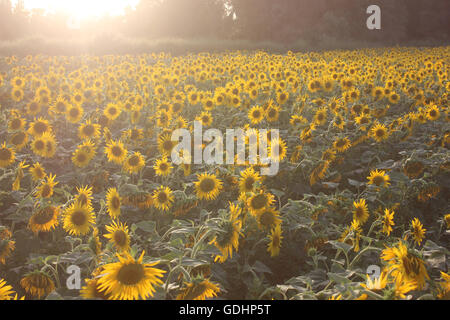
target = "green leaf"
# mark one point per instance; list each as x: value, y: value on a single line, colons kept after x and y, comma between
x: 147, y: 226
x: 338, y: 278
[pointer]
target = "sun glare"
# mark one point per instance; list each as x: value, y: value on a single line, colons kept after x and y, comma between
x: 82, y: 9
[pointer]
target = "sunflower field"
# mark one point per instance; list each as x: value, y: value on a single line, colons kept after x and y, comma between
x: 358, y: 210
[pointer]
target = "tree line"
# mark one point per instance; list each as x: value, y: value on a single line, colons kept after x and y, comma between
x: 281, y: 21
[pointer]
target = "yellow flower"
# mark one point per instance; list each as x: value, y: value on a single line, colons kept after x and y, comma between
x: 118, y: 235
x: 116, y: 152
x: 7, y: 156
x: 208, y: 186
x: 38, y: 284
x: 418, y: 231
x: 388, y: 221
x: 379, y: 178
x: 199, y: 289
x: 113, y: 202
x: 163, y: 198
x: 361, y: 212
x: 130, y: 279
x: 78, y: 219
x: 275, y: 238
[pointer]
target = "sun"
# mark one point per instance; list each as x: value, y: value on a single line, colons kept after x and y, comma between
x: 82, y: 9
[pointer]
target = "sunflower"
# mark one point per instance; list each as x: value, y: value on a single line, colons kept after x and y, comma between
x: 268, y: 219
x: 162, y: 167
x: 19, y: 140
x: 433, y: 113
x: 78, y: 219
x: 376, y: 285
x: 418, y: 231
x: 342, y: 144
x: 38, y: 284
x: 50, y: 145
x: 91, y: 291
x: 205, y: 118
x: 74, y: 113
x: 388, y: 221
x: 256, y: 114
x: 16, y: 124
x: 61, y: 106
x: 258, y: 202
x: 208, y: 186
x: 84, y: 196
x: 394, y: 98
x: 118, y: 236
x: 33, y: 108
x: 81, y: 158
x: 193, y: 97
x: 39, y: 145
x: 320, y: 118
x: 112, y: 111
x: 7, y: 156
x: 39, y: 126
x: 7, y: 245
x: 361, y: 212
x: 46, y: 188
x: 116, y: 152
x: 248, y: 181
x: 404, y: 265
x: 379, y: 132
x: 89, y: 130
x: 275, y: 239
x: 6, y: 292
x: 37, y: 172
x: 113, y: 202
x: 282, y: 97
x: 165, y: 144
x: 18, y: 82
x: 162, y: 198
x: 17, y: 94
x: 413, y: 169
x: 228, y: 237
x: 379, y: 178
x: 130, y: 279
x: 134, y: 163
x: 198, y: 289
x: 44, y: 219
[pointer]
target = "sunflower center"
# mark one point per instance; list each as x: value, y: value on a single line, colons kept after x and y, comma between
x: 359, y: 212
x: 266, y: 218
x: 115, y: 201
x: 74, y: 112
x: 79, y: 218
x: 167, y: 145
x: 18, y: 138
x: 5, y: 154
x: 131, y: 274
x: 259, y: 201
x: 46, y: 190
x: 89, y: 130
x: 40, y: 127
x: 81, y: 157
x: 378, y: 180
x: 162, y: 197
x: 15, y: 124
x: 133, y: 161
x: 379, y: 133
x: 249, y: 183
x: 43, y: 216
x: 116, y: 151
x: 120, y: 237
x: 207, y: 185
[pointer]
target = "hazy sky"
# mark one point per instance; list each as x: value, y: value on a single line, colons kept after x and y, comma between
x: 82, y: 8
